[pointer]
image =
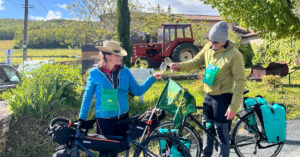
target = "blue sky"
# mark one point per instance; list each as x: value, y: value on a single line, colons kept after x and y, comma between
x: 57, y: 9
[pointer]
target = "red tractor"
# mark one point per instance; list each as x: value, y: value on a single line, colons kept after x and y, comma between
x: 174, y: 41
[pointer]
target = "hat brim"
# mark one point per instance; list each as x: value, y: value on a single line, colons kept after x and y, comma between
x: 122, y: 52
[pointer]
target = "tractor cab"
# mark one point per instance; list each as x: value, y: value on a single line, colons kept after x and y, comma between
x: 173, y: 40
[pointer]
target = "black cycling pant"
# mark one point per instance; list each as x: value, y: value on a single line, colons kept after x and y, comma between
x: 112, y: 128
x: 214, y: 109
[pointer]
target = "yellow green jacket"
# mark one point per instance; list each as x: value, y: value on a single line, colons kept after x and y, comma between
x: 231, y: 77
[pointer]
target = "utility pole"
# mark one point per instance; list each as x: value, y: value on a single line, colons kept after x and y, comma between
x: 25, y: 31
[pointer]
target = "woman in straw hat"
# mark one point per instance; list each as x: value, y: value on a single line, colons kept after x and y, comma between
x: 110, y: 82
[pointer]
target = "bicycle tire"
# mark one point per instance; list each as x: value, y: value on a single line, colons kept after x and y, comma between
x: 241, y: 135
x: 153, y: 144
x: 188, y: 132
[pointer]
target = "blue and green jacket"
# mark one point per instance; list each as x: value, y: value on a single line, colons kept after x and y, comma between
x: 126, y: 82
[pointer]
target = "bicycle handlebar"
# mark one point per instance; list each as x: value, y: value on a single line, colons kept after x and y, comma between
x: 55, y: 120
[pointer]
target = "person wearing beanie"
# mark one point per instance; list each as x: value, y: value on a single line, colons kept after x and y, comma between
x: 224, y: 83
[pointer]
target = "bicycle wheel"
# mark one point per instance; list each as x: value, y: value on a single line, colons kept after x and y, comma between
x: 245, y: 140
x: 161, y: 145
x: 187, y: 132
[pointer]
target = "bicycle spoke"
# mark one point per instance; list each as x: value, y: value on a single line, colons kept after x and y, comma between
x: 244, y: 141
x: 187, y: 133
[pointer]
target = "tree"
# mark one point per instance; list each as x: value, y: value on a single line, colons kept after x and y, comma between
x: 270, y: 18
x: 123, y: 25
x: 103, y: 12
x: 280, y: 50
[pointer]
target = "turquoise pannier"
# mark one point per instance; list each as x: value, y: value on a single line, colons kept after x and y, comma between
x: 164, y: 145
x: 271, y: 120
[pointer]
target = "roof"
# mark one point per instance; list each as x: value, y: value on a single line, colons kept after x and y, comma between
x: 246, y: 33
x: 240, y: 29
x: 203, y: 17
x: 249, y: 34
x: 181, y: 24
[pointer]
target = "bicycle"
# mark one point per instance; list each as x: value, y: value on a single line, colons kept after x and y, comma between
x: 76, y: 140
x: 242, y: 140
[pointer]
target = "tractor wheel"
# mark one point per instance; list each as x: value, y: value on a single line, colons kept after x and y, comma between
x: 143, y: 62
x: 184, y: 52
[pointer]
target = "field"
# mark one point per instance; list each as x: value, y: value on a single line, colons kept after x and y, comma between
x: 58, y: 55
x: 6, y: 44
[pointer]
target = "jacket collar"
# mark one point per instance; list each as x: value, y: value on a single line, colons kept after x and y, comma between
x: 110, y: 71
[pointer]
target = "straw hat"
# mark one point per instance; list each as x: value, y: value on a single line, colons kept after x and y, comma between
x: 112, y: 47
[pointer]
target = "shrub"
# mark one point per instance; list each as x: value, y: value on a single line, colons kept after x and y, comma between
x: 43, y: 90
x: 246, y: 50
x: 272, y: 81
x: 248, y: 54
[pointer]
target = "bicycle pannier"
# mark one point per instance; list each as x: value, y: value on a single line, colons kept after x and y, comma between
x: 99, y: 143
x: 271, y: 121
x: 61, y: 134
x: 248, y: 103
x: 166, y: 146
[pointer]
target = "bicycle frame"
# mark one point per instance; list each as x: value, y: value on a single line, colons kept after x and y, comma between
x: 78, y: 145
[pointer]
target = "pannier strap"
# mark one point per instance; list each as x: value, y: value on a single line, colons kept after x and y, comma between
x: 272, y: 110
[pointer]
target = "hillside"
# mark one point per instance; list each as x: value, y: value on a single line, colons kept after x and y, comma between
x: 50, y: 33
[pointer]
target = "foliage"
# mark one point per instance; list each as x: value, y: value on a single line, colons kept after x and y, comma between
x: 59, y: 34
x: 7, y: 34
x: 123, y: 27
x: 248, y: 54
x: 296, y: 8
x: 277, y: 50
x: 272, y: 81
x: 44, y: 89
x: 245, y: 49
x: 270, y: 18
x: 103, y: 15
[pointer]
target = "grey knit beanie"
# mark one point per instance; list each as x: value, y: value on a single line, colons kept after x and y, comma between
x: 219, y: 32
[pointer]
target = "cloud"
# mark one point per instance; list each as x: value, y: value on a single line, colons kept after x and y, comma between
x: 63, y: 6
x: 1, y: 7
x: 185, y: 7
x: 51, y: 15
x: 36, y: 18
